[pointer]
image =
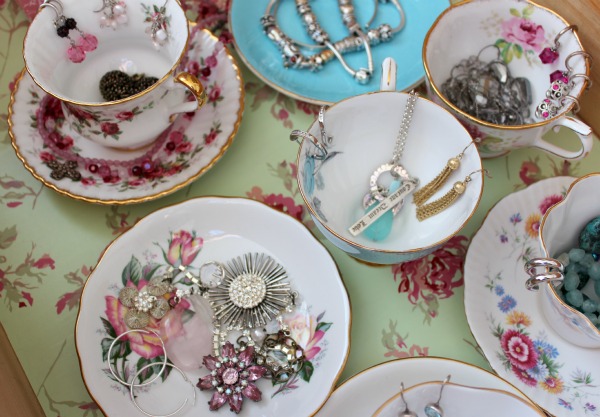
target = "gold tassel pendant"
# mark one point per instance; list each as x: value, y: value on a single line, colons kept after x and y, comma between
x: 424, y: 193
x: 442, y: 203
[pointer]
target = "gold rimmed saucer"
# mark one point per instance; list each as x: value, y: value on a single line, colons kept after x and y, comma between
x: 195, y: 143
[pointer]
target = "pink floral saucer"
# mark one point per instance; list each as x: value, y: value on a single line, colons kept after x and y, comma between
x: 507, y: 320
x: 191, y: 234
x: 83, y: 170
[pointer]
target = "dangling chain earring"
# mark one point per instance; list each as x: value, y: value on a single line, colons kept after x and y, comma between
x: 434, y: 409
x: 550, y: 54
x: 424, y: 193
x: 114, y: 14
x: 64, y: 25
x: 445, y: 201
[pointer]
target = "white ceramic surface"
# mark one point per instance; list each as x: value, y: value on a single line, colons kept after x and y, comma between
x: 207, y: 133
x: 128, y: 48
x: 523, y: 29
x: 362, y: 394
x: 459, y: 400
x: 559, y: 232
x: 507, y: 320
x: 364, y: 131
x: 223, y: 225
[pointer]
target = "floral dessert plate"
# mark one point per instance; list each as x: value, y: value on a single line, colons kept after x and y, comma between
x: 507, y: 320
x: 363, y: 394
x: 192, y: 234
x: 332, y: 83
x: 83, y: 170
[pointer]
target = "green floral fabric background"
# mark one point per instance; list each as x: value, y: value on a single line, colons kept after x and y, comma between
x: 49, y: 243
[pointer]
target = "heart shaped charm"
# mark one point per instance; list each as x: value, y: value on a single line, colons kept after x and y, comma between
x: 117, y: 85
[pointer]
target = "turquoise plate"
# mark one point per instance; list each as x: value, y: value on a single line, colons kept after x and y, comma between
x: 332, y: 83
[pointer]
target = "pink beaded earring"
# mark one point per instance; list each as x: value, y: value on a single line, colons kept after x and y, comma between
x: 64, y: 25
x: 549, y: 55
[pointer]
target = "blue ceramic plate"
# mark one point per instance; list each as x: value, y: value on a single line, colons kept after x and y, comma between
x: 332, y: 83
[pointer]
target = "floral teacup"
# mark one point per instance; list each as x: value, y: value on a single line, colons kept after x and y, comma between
x: 150, y: 38
x: 559, y: 232
x: 521, y: 30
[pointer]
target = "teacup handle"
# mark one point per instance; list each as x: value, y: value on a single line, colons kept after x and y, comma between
x: 192, y: 83
x: 583, y: 131
x: 388, y: 75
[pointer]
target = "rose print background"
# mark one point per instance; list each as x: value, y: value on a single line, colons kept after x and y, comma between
x: 50, y: 243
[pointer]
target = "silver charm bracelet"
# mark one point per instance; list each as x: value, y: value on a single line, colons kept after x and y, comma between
x: 357, y: 40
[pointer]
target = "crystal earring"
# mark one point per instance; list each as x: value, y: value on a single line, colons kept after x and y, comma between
x: 550, y: 54
x: 406, y: 412
x: 159, y: 24
x: 64, y: 25
x: 424, y: 193
x: 434, y: 409
x: 445, y: 201
x: 114, y: 14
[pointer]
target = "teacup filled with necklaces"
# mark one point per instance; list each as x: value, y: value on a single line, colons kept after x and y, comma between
x: 511, y: 71
x: 388, y: 177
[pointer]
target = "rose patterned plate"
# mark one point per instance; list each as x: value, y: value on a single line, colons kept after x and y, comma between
x: 189, y: 148
x: 190, y: 234
x: 507, y: 320
x: 332, y: 83
x: 364, y: 393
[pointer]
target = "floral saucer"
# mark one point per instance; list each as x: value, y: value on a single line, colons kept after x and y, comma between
x: 507, y: 320
x: 364, y: 393
x: 191, y: 234
x: 190, y: 147
x: 332, y: 83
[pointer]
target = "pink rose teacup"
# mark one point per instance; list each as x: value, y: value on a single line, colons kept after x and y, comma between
x: 514, y: 32
x: 70, y: 46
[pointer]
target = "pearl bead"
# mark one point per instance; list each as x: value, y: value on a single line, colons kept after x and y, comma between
x: 118, y: 9
x: 362, y: 76
x: 161, y: 35
x: 122, y: 19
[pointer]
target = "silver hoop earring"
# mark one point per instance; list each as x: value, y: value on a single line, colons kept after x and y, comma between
x: 142, y: 369
x: 109, y: 355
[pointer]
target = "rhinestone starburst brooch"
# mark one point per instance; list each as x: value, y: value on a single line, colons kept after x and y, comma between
x: 253, y: 292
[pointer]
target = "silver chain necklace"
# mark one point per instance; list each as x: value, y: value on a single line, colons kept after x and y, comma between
x: 376, y: 191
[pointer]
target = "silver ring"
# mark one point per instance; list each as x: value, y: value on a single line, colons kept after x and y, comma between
x: 396, y: 170
x: 142, y: 369
x: 573, y: 54
x: 55, y: 7
x: 533, y: 283
x: 300, y: 135
x: 562, y: 32
x: 574, y: 99
x: 114, y: 374
x: 542, y: 263
x: 585, y: 77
